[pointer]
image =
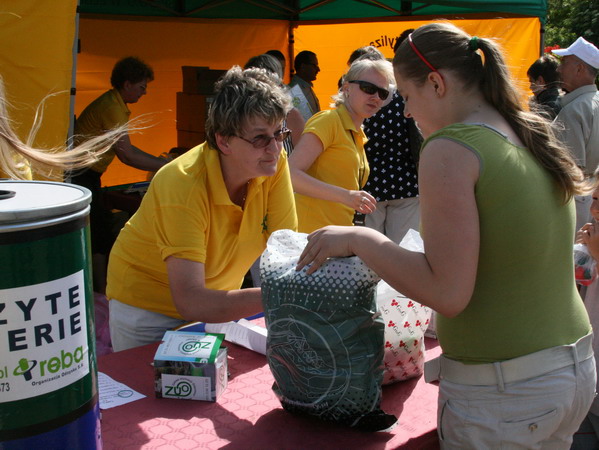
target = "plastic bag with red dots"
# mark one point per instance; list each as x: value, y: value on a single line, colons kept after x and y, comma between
x: 405, y: 324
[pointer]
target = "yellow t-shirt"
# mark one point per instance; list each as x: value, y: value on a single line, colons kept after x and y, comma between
x: 342, y: 163
x: 187, y: 213
x: 105, y: 113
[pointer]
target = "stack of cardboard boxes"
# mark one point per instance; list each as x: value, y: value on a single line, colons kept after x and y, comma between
x: 193, y: 104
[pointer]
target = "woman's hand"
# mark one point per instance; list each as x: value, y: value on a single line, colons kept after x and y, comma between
x: 328, y: 242
x: 361, y: 201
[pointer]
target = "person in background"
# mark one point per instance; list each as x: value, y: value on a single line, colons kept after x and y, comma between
x: 306, y: 70
x: 392, y: 150
x: 544, y: 84
x: 496, y: 189
x: 577, y: 124
x: 329, y: 166
x: 130, y: 77
x: 278, y: 55
x: 587, y: 436
x: 19, y: 160
x: 294, y: 120
x: 206, y: 217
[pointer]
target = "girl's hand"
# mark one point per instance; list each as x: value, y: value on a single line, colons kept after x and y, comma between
x: 328, y: 242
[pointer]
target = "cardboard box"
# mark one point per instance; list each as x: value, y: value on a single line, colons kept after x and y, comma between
x: 190, y: 366
x: 190, y: 139
x: 192, y: 110
x: 200, y: 80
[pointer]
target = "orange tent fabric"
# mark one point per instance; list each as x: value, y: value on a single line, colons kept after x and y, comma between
x: 37, y: 60
x: 167, y: 44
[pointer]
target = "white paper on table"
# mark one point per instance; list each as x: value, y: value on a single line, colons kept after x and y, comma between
x: 243, y: 333
x: 112, y: 393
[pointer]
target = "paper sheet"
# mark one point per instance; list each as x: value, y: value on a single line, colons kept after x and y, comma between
x: 243, y: 333
x: 113, y: 393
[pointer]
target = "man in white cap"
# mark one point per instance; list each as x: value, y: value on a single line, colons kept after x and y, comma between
x: 579, y: 128
x: 578, y: 121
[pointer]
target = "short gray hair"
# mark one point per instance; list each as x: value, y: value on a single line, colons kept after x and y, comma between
x: 243, y: 95
x: 358, y: 67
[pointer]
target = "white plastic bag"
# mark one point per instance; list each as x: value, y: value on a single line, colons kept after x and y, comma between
x: 406, y: 322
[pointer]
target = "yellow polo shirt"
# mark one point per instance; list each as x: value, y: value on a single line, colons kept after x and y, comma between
x: 187, y: 213
x: 342, y: 163
x: 105, y: 113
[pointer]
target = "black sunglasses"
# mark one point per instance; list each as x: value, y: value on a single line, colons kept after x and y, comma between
x: 263, y: 141
x: 368, y: 88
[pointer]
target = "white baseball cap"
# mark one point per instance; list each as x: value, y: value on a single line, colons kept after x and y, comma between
x: 583, y: 49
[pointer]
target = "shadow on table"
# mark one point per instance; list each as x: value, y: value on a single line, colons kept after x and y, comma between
x: 280, y: 429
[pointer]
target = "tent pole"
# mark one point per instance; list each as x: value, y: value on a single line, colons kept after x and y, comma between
x: 542, y: 40
x: 74, y: 76
x: 290, y: 49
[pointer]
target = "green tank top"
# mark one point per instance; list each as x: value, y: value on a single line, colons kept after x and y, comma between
x: 525, y: 298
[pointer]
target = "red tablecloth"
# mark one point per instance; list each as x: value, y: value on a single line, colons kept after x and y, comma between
x: 248, y: 415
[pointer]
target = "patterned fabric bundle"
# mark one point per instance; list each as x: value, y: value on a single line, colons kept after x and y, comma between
x: 325, y: 340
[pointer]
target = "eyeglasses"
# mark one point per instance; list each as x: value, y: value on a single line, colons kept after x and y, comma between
x: 368, y: 88
x: 263, y: 141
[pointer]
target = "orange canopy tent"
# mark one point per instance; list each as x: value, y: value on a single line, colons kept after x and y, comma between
x: 221, y: 34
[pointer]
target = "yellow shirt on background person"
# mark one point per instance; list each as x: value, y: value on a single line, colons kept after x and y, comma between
x: 105, y: 113
x: 187, y: 213
x: 342, y: 163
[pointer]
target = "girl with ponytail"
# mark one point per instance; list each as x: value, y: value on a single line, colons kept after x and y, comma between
x: 497, y: 221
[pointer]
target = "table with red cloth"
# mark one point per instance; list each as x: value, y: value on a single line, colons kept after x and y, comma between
x: 249, y: 416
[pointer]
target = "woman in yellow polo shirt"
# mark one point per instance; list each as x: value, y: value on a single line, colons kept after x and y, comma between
x: 328, y: 165
x: 206, y: 218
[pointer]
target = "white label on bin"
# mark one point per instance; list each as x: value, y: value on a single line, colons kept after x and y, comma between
x: 43, y: 337
x: 189, y: 388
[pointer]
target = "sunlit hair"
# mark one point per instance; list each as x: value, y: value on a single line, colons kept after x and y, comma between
x: 355, y: 71
x: 267, y: 62
x: 242, y: 96
x: 19, y: 159
x: 449, y: 48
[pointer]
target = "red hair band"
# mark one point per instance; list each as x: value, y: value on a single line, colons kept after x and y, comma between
x: 420, y: 55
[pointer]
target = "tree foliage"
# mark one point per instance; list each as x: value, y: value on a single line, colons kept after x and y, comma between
x: 569, y: 19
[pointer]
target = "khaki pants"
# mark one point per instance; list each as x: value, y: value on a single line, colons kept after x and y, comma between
x: 537, y: 412
x: 131, y: 327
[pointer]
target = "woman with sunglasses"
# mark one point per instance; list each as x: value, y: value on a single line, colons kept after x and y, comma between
x: 206, y: 218
x: 497, y: 215
x: 329, y: 166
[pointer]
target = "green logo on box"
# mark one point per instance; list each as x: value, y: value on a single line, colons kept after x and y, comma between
x: 181, y: 388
